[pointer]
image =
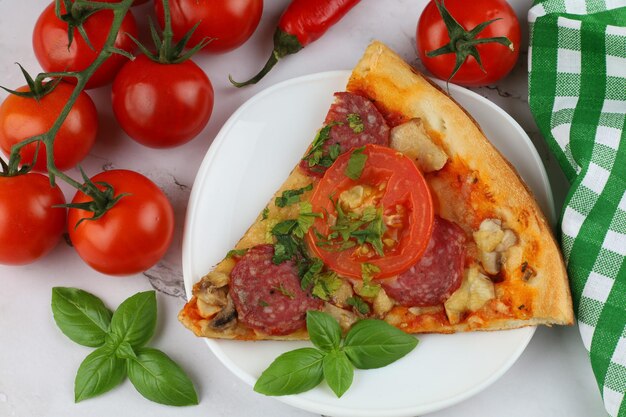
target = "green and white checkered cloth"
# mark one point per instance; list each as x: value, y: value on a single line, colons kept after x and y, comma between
x: 577, y: 94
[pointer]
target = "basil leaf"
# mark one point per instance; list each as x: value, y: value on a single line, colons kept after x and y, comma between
x: 374, y: 343
x: 356, y: 163
x: 324, y: 330
x: 160, y: 379
x: 98, y: 373
x: 292, y: 372
x: 125, y: 351
x: 338, y: 372
x: 81, y: 316
x: 265, y: 213
x: 135, y: 319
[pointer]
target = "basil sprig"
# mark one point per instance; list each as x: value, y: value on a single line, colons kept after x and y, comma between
x: 120, y: 338
x: 369, y: 344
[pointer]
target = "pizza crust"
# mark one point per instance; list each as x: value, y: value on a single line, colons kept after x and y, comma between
x: 384, y: 77
x: 397, y: 90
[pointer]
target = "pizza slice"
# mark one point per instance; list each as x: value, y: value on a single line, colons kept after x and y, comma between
x: 401, y: 210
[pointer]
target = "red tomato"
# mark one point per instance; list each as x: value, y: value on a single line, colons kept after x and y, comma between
x: 162, y: 105
x: 30, y: 225
x: 230, y: 22
x: 135, y: 2
x: 393, y: 184
x: 22, y: 118
x: 133, y: 235
x: 497, y: 59
x: 50, y: 44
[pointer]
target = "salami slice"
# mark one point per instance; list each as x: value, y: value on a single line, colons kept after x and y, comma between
x: 355, y: 122
x: 437, y: 274
x: 268, y: 297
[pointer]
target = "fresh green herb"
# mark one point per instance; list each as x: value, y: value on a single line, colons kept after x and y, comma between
x: 265, y: 213
x: 373, y: 344
x: 325, y: 285
x: 120, y: 338
x: 236, y: 253
x: 355, y: 122
x: 354, y: 229
x: 290, y: 197
x: 303, y: 369
x: 100, y: 372
x: 316, y: 155
x: 292, y: 372
x: 158, y: 378
x: 310, y: 274
x: 356, y: 163
x: 263, y: 303
x: 324, y: 331
x: 284, y: 291
x: 289, y: 234
x: 367, y: 288
x: 81, y: 316
x: 305, y: 219
x: 338, y: 372
x: 334, y: 151
x: 359, y: 305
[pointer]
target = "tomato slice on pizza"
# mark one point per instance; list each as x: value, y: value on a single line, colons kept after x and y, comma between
x: 401, y: 210
x: 375, y: 208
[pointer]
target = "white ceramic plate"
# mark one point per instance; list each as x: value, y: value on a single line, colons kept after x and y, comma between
x: 250, y: 158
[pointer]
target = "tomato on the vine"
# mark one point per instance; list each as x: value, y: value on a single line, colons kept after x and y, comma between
x: 229, y: 22
x: 441, y: 22
x: 50, y: 43
x: 24, y: 117
x: 132, y: 235
x: 30, y: 224
x: 162, y: 105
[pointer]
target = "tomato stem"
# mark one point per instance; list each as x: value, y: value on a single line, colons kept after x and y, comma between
x: 78, y: 11
x: 168, y: 52
x: 463, y: 42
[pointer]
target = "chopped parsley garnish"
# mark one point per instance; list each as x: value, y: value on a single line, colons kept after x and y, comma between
x: 289, y: 235
x: 236, y: 253
x: 290, y: 197
x: 323, y: 284
x: 359, y: 305
x: 284, y: 291
x: 354, y: 229
x: 355, y: 122
x: 317, y: 156
x: 356, y: 163
x: 368, y: 289
x: 265, y: 213
x: 263, y: 303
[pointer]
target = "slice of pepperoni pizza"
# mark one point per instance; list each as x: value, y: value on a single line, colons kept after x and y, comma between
x: 401, y: 210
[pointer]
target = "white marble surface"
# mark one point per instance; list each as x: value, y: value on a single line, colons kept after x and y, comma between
x: 37, y: 363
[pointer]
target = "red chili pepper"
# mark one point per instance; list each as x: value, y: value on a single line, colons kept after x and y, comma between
x: 303, y: 22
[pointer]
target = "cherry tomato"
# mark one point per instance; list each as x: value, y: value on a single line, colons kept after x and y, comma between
x: 229, y: 22
x: 22, y: 118
x: 389, y: 182
x: 30, y: 225
x: 162, y: 105
x: 135, y: 2
x: 131, y: 236
x: 497, y: 59
x: 50, y: 44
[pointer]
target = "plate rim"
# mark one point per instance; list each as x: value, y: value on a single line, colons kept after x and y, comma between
x: 296, y: 400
